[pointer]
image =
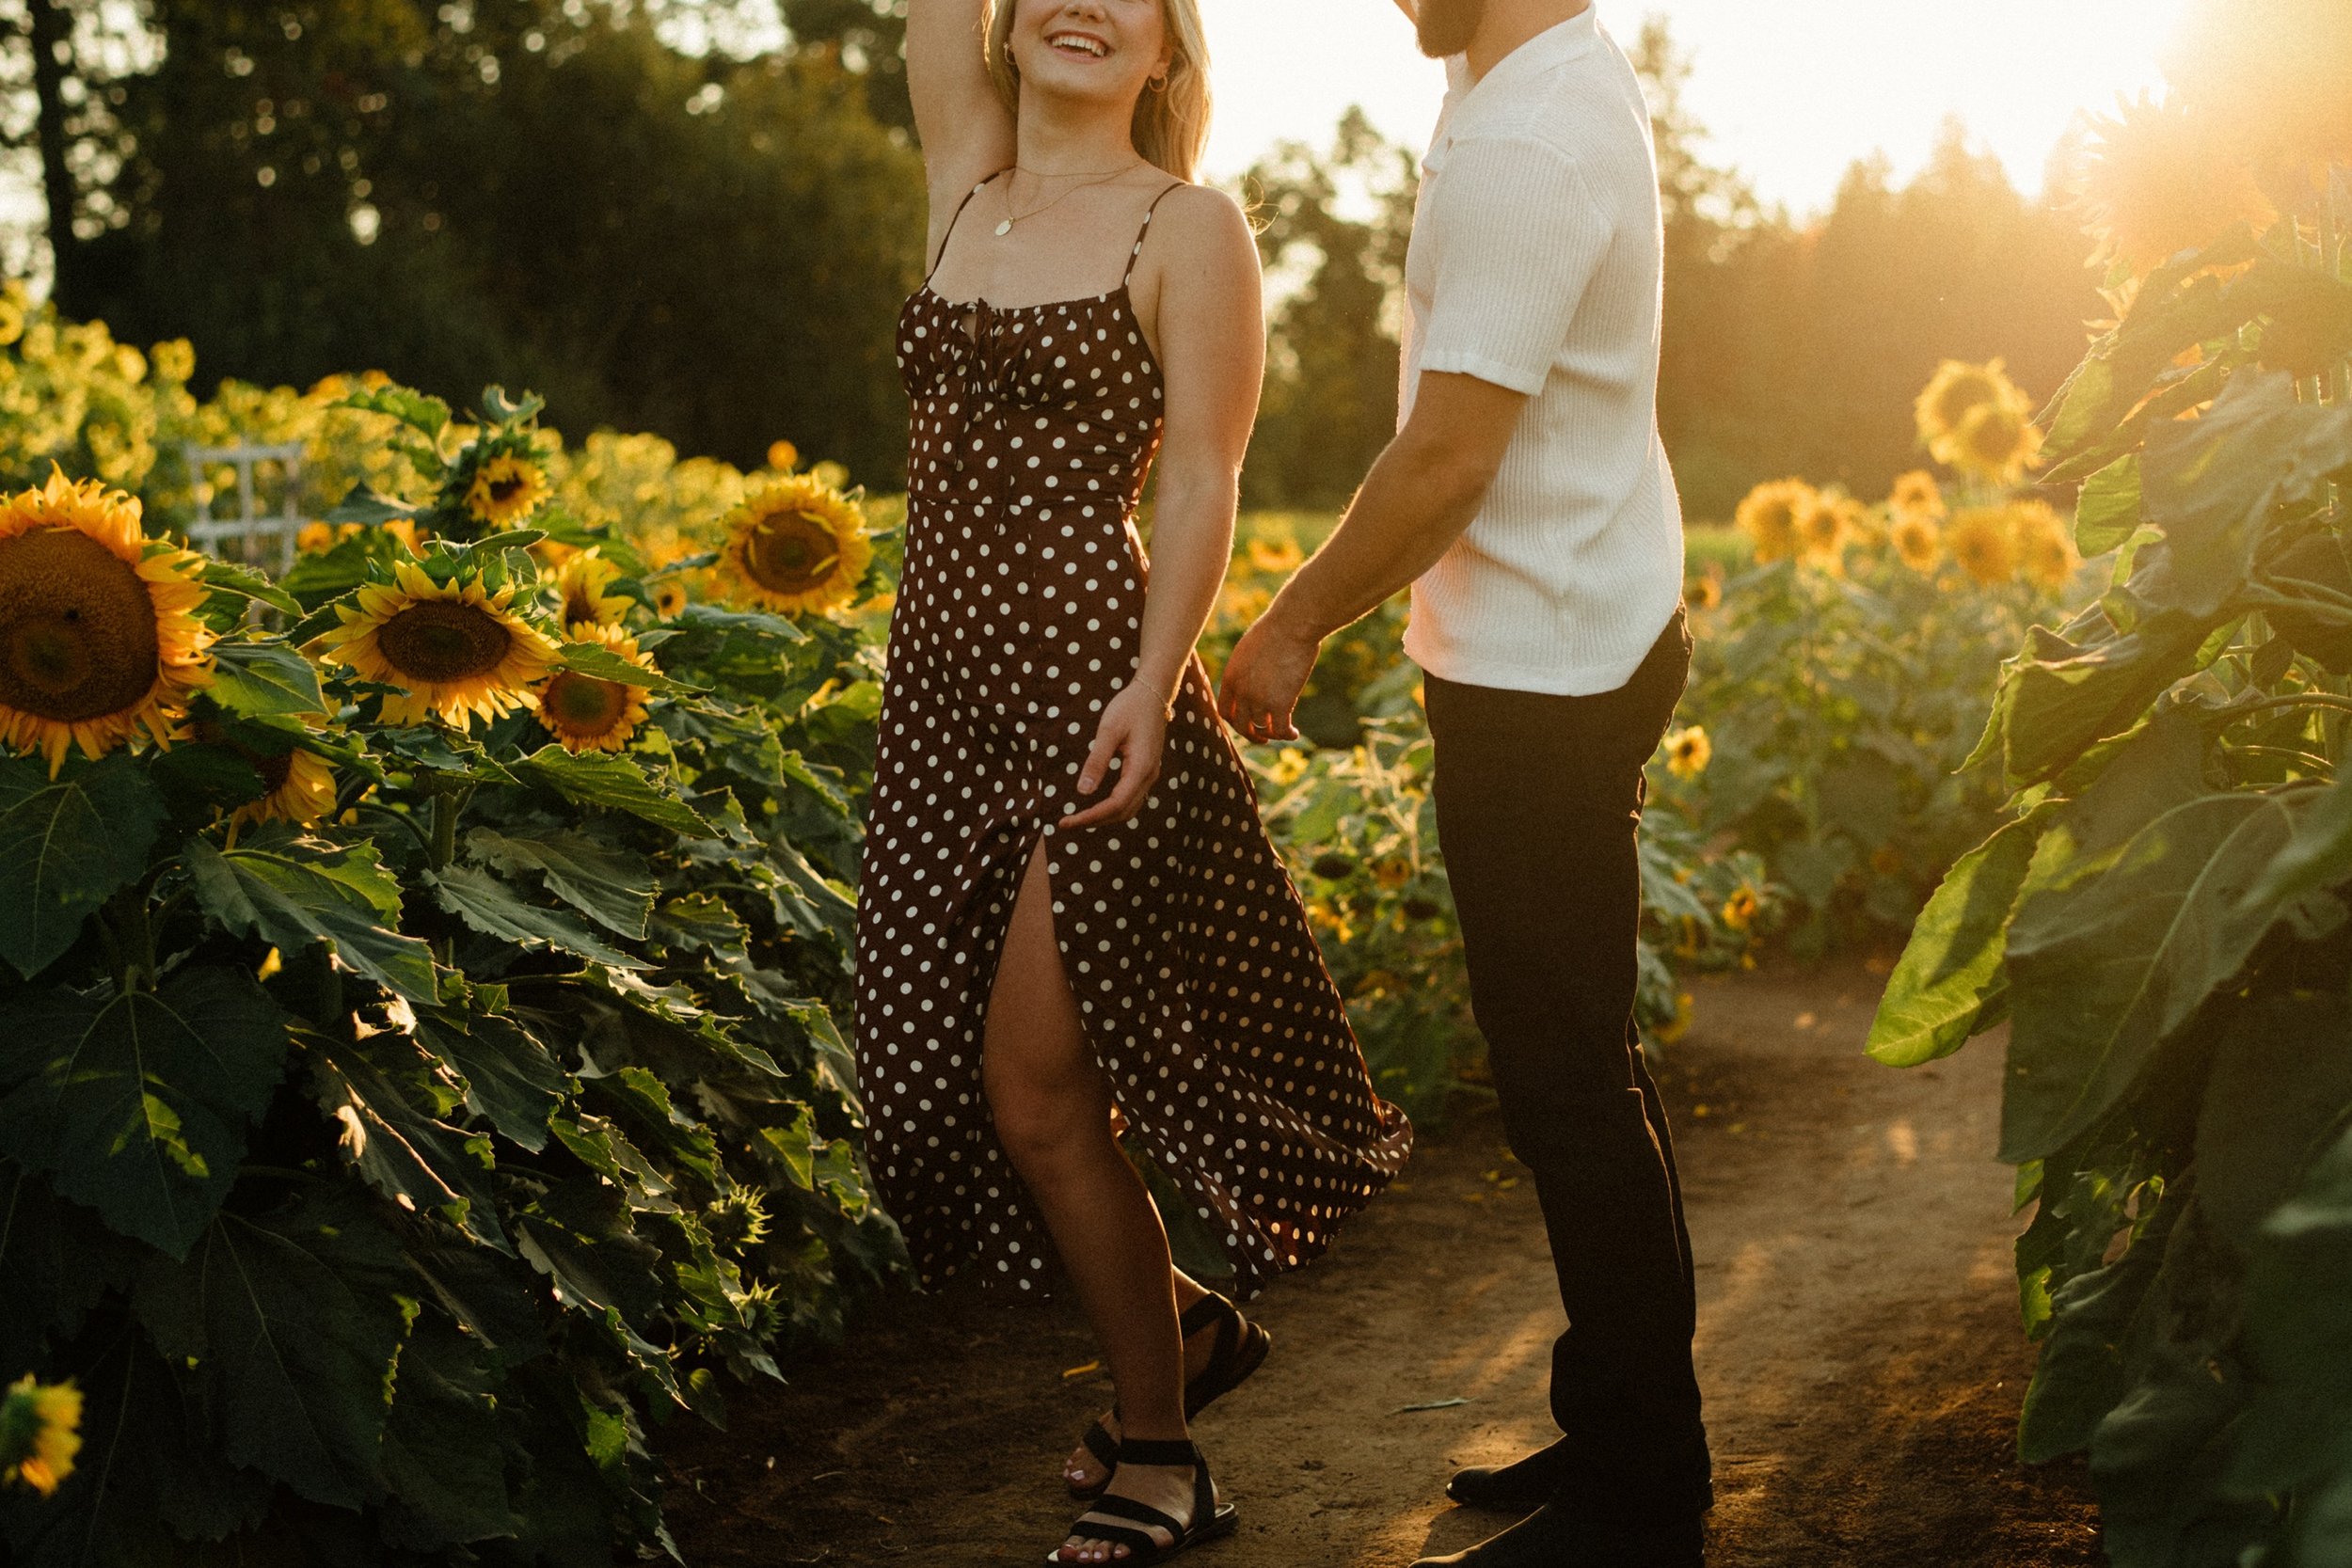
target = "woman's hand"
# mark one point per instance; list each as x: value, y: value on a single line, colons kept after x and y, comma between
x: 1133, y: 732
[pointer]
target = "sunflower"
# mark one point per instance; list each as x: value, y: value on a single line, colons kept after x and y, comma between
x: 582, y: 583
x: 1822, y: 531
x: 669, y: 598
x: 2045, y: 547
x: 2163, y: 179
x: 1957, y: 391
x: 39, y: 1434
x: 1984, y: 541
x: 454, y: 649
x: 1688, y: 752
x: 1996, y: 442
x: 297, y: 787
x: 1391, y: 872
x: 1774, y: 517
x: 1274, y: 556
x: 1916, y: 494
x: 506, y: 490
x: 1741, y: 909
x: 1288, y: 767
x: 798, y: 544
x: 1703, y: 591
x: 174, y: 360
x: 588, y: 714
x: 1676, y: 1027
x: 98, y: 631
x: 314, y: 538
x: 783, y: 456
x: 1918, y: 541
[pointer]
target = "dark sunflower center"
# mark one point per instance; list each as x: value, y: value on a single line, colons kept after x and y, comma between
x: 1962, y: 398
x: 275, y: 770
x: 77, y: 629
x: 506, y: 489
x: 791, y: 553
x: 443, y: 642
x: 582, y: 705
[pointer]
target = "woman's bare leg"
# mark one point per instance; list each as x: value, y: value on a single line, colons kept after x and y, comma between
x: 1053, y: 1115
x: 1082, y: 1469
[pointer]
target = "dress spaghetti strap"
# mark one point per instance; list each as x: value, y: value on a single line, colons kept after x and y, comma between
x: 944, y: 239
x: 1145, y: 232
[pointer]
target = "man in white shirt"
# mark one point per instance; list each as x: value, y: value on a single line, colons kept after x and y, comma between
x: 1528, y: 500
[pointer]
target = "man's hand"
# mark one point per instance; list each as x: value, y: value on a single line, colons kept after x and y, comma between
x: 1269, y: 668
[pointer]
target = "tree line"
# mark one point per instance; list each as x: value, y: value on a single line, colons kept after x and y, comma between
x: 670, y: 216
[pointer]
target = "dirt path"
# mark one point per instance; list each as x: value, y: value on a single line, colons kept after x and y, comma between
x: 1857, y: 1341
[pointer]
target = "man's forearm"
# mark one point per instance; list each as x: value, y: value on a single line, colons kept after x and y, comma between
x: 1413, y: 506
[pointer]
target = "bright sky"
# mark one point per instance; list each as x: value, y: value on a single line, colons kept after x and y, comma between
x: 1792, y: 90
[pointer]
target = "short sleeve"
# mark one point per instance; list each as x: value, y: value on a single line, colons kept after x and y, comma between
x: 1519, y: 236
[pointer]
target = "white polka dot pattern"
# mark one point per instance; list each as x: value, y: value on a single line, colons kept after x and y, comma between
x: 1199, y: 981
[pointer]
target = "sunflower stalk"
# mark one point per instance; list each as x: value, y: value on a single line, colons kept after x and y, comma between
x: 448, y: 806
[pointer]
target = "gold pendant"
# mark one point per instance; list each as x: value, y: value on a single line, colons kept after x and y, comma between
x: 1005, y: 227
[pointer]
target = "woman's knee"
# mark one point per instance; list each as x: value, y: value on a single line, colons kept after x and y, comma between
x: 1046, y: 1128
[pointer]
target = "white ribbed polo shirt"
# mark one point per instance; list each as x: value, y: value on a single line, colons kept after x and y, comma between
x: 1537, y: 265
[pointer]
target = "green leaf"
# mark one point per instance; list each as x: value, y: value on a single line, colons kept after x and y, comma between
x: 58, y: 1260
x: 2319, y: 856
x: 137, y: 1106
x: 379, y: 1091
x: 604, y: 779
x: 225, y: 576
x: 428, y: 415
x: 66, y: 845
x: 1950, y: 975
x: 582, y: 1238
x: 494, y: 909
x: 599, y: 662
x: 610, y: 884
x: 2107, y: 511
x: 511, y: 1080
x: 291, y: 891
x: 2211, y: 483
x: 2281, y: 1078
x: 262, y: 680
x: 2116, y: 954
x: 2059, y: 698
x: 442, y: 1455
x: 494, y: 1296
x: 2083, y: 1368
x: 292, y: 1323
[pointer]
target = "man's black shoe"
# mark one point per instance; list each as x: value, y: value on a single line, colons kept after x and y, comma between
x: 1550, y: 1537
x: 1521, y: 1486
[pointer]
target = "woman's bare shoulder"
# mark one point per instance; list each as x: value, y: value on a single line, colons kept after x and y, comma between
x: 1201, y: 225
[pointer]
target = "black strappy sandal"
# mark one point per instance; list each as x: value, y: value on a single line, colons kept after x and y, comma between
x: 1124, y: 1522
x: 1241, y: 1350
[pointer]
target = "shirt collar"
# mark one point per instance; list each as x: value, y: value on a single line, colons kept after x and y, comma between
x: 1553, y: 47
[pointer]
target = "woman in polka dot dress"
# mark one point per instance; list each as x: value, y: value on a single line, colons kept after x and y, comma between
x: 1070, y: 911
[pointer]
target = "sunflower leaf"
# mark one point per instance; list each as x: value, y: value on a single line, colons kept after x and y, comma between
x: 496, y: 910
x: 368, y: 509
x: 380, y: 1091
x: 599, y: 662
x: 66, y: 845
x: 603, y: 779
x: 610, y: 884
x: 223, y: 577
x: 262, y: 680
x: 136, y: 1104
x: 293, y: 891
x: 410, y: 407
x: 510, y: 1078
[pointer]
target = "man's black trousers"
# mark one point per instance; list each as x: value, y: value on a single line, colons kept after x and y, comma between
x: 1538, y: 799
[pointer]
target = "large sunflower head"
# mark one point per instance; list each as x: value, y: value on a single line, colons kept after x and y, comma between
x: 1774, y: 515
x: 1957, y: 391
x: 2164, y: 179
x: 1996, y: 442
x: 2045, y: 545
x: 582, y: 583
x: 1918, y: 540
x: 1823, y: 531
x: 454, y: 649
x: 1916, y: 494
x: 100, y: 635
x: 2274, y: 71
x: 588, y: 714
x: 1983, y: 541
x: 798, y: 544
x: 507, y: 488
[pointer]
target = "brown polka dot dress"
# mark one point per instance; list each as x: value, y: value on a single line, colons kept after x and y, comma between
x: 1199, y: 982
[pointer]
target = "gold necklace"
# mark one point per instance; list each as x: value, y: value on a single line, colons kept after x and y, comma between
x: 1012, y: 217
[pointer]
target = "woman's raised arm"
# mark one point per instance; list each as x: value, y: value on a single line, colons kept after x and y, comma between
x: 966, y: 130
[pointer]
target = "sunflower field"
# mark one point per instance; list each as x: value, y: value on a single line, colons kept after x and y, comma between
x: 2161, y: 916
x: 419, y: 1073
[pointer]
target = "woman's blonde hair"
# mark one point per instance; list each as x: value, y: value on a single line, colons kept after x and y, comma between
x: 1171, y: 124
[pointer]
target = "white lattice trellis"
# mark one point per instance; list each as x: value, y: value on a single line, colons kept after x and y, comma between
x: 252, y: 536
